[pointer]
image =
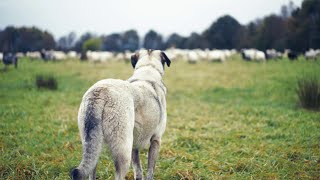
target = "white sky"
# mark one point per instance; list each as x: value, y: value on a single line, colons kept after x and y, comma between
x: 105, y: 16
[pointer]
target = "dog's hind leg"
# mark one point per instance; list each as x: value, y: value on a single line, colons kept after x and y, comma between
x: 153, y: 156
x: 122, y: 164
x: 121, y: 148
x: 136, y: 164
x: 92, y: 175
x: 118, y: 132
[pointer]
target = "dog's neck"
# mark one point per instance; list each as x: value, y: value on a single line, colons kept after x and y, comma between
x: 147, y: 73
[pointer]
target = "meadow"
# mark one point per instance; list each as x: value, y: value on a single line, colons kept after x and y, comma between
x: 232, y: 120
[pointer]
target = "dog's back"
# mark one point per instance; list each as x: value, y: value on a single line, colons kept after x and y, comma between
x: 106, y: 114
x: 150, y: 112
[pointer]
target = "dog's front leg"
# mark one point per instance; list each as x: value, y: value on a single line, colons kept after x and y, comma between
x: 153, y: 156
x: 136, y: 164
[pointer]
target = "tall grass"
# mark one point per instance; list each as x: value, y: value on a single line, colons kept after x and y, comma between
x: 308, y: 91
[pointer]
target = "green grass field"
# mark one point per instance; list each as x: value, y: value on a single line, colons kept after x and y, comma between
x: 233, y: 120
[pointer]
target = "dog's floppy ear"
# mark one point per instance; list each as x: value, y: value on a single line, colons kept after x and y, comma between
x: 165, y: 59
x: 134, y: 59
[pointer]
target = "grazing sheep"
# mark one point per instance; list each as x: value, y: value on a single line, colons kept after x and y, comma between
x: 171, y: 54
x: 273, y: 54
x: 34, y: 55
x: 102, y: 56
x: 216, y: 55
x: 312, y: 54
x: 197, y: 55
x: 203, y: 55
x: 253, y: 54
x: 260, y: 56
x: 193, y: 57
x: 177, y: 54
x: 227, y: 53
x: 120, y: 57
x: 58, y: 55
x: 127, y: 116
x: 73, y: 55
x: 46, y: 55
x: 233, y: 52
x: 53, y: 55
x: 19, y: 55
x: 1, y: 56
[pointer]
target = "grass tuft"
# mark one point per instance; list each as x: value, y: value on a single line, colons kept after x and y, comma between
x: 308, y: 92
x: 46, y: 82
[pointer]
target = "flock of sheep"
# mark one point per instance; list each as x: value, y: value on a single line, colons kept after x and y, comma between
x: 191, y: 56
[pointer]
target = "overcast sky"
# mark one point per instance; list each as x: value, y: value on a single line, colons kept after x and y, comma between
x: 105, y: 16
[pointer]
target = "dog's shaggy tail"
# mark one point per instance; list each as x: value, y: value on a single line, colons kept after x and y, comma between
x: 90, y: 125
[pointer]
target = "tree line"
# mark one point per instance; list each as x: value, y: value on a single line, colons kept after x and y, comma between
x: 296, y: 28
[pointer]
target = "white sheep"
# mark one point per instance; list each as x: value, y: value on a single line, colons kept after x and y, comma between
x: 34, y: 55
x: 120, y: 57
x: 202, y: 54
x: 193, y: 57
x: 312, y: 54
x: 253, y: 54
x: 19, y: 55
x: 273, y: 54
x: 96, y: 56
x: 216, y: 55
x: 58, y: 55
x: 73, y: 55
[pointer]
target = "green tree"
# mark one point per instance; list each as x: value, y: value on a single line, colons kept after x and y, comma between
x: 93, y: 44
x: 175, y: 40
x: 153, y: 40
x: 222, y: 33
x: 304, y: 26
x: 195, y: 41
x: 130, y: 40
x: 271, y: 33
x: 23, y: 39
x: 67, y: 42
x: 79, y: 44
x: 112, y: 42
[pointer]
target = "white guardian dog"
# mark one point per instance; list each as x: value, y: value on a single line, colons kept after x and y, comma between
x: 127, y: 116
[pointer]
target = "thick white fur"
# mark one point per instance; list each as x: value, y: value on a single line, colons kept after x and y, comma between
x: 130, y: 114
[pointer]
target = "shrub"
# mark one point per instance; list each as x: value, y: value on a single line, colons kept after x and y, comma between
x: 46, y: 82
x: 93, y: 44
x: 308, y: 92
